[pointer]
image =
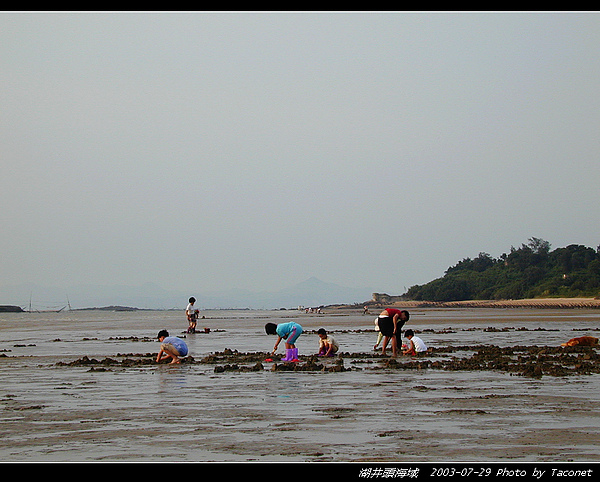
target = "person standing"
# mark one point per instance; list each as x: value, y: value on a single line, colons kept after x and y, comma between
x: 192, y: 315
x: 379, y: 334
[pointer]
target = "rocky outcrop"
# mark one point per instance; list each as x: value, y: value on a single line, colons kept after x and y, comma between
x: 385, y: 299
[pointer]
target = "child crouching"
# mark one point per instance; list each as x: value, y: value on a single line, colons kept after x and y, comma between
x: 415, y: 346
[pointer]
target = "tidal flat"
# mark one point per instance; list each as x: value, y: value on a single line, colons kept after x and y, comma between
x: 83, y: 386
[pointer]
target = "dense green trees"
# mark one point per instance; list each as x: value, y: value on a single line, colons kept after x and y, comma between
x: 531, y: 271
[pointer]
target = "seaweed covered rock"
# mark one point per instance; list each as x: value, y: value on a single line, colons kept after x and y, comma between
x: 528, y: 361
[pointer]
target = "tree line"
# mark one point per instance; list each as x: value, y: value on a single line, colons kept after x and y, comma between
x: 531, y: 271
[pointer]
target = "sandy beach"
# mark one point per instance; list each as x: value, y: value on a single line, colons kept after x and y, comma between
x: 546, y: 303
x: 537, y: 303
x: 496, y: 386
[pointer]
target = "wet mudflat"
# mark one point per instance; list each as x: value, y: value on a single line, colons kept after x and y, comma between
x: 83, y: 386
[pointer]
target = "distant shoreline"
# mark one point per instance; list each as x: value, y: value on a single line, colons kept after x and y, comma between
x: 534, y: 303
x: 109, y: 308
x: 375, y: 307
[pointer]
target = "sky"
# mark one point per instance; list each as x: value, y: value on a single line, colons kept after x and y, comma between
x: 210, y: 151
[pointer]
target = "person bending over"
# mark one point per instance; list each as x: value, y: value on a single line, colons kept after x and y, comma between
x: 390, y: 322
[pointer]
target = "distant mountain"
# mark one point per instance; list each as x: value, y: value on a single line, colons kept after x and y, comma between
x: 310, y: 293
x: 314, y: 292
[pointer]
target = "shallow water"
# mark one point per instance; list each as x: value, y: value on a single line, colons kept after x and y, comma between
x: 50, y: 412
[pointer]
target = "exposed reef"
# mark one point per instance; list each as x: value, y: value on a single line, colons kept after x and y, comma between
x: 529, y: 361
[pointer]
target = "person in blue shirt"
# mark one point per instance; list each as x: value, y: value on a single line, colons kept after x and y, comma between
x: 171, y: 347
x: 288, y: 332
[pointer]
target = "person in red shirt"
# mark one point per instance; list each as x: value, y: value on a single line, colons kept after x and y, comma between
x: 390, y: 323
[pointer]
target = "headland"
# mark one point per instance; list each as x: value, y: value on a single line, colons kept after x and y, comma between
x: 385, y: 301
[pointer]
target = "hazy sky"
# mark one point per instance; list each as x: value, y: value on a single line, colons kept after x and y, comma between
x: 203, y: 151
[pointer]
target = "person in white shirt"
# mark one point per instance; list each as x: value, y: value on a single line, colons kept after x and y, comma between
x: 416, y: 345
x: 327, y: 344
x: 192, y: 315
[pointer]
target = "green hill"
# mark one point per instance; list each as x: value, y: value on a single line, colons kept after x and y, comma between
x: 531, y: 271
